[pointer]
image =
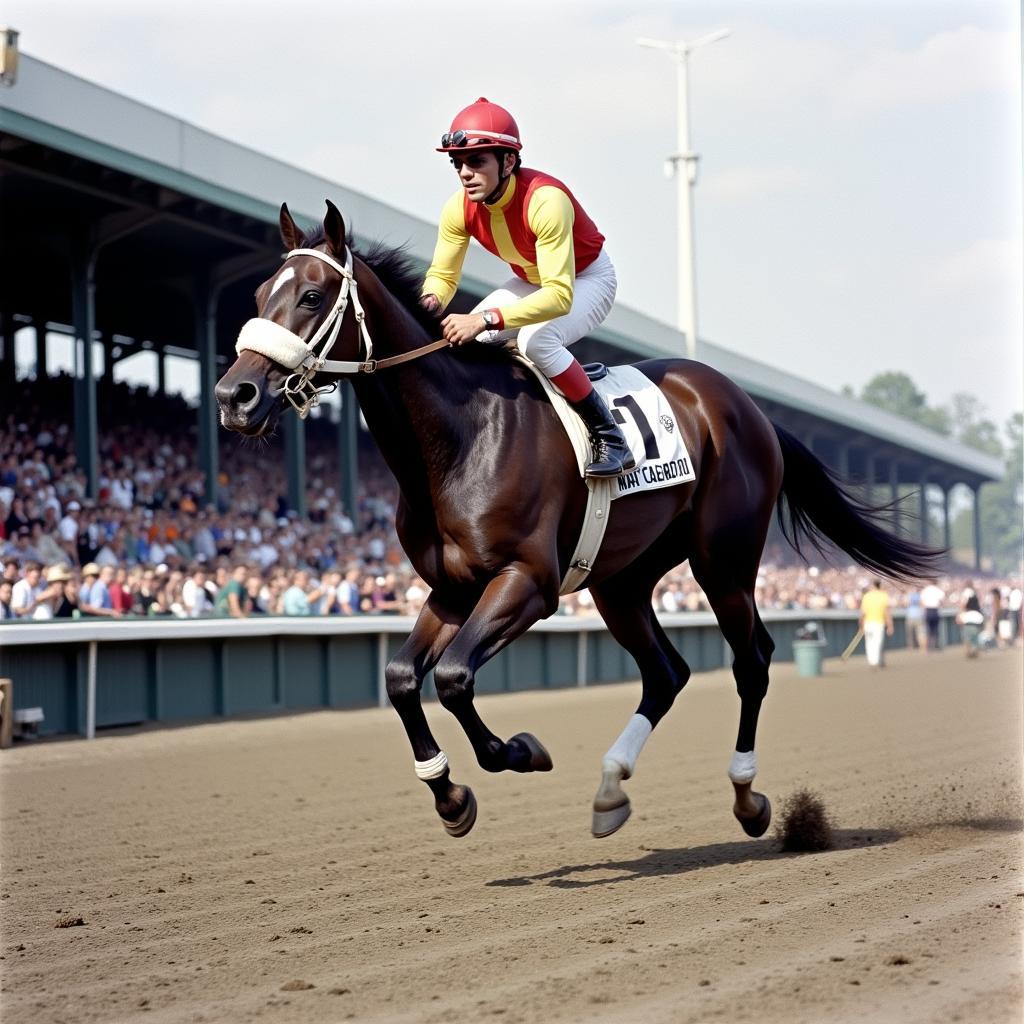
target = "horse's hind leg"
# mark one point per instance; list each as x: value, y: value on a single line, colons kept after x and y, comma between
x: 624, y: 602
x: 730, y: 591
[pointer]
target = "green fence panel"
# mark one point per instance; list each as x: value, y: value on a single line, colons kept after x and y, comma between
x: 494, y: 676
x: 303, y: 671
x: 123, y: 681
x: 561, y: 656
x: 527, y: 663
x: 249, y: 676
x: 351, y: 671
x: 188, y: 680
x: 45, y: 677
x: 607, y: 662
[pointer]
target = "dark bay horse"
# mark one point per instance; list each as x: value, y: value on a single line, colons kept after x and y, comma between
x: 492, y: 503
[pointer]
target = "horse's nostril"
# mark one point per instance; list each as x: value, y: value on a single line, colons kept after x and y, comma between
x: 247, y: 395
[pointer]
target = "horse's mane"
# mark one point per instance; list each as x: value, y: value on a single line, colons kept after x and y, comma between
x: 397, y: 271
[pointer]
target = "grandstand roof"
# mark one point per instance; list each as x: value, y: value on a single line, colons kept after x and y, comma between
x: 50, y: 108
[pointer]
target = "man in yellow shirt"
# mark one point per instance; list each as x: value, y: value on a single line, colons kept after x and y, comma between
x: 564, y: 283
x: 876, y: 621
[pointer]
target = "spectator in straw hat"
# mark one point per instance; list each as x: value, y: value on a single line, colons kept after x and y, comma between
x: 66, y: 605
x: 52, y: 602
x: 94, y: 597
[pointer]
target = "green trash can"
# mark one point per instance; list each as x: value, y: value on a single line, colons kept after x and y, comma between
x: 809, y: 655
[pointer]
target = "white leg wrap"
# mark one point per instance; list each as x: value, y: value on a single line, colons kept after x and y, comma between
x: 743, y: 766
x: 432, y: 769
x: 626, y: 749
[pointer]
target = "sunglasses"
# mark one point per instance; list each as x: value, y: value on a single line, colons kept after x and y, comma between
x: 457, y: 138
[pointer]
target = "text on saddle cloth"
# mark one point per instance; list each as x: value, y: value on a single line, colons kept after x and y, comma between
x: 648, y: 423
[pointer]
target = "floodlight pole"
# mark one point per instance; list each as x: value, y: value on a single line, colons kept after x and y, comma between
x: 683, y: 166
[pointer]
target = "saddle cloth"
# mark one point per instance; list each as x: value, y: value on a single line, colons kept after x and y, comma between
x: 648, y: 423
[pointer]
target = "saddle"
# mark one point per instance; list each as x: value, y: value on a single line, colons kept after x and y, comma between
x: 648, y: 423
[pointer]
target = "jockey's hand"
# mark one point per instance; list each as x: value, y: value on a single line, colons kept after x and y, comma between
x: 431, y: 303
x: 458, y: 328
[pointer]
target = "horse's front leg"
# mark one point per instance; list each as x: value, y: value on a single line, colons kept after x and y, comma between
x: 438, y: 624
x: 511, y: 603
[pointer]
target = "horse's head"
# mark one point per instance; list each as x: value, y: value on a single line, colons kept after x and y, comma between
x: 300, y: 324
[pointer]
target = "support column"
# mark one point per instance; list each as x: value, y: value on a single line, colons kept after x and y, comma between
x: 204, y: 307
x: 923, y: 507
x: 894, y: 495
x: 843, y: 460
x: 207, y: 291
x: 85, y: 252
x: 946, y: 532
x: 39, y: 326
x: 976, y: 491
x: 295, y: 460
x: 7, y: 364
x: 161, y: 370
x: 870, y: 476
x: 83, y: 301
x: 348, y: 448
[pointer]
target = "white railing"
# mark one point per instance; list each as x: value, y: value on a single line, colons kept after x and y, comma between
x: 95, y: 631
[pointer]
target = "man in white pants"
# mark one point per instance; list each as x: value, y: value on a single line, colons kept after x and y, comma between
x: 565, y: 282
x: 876, y: 621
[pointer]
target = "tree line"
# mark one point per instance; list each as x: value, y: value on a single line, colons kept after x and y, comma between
x: 965, y: 419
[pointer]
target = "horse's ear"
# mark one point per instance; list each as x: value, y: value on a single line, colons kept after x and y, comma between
x: 334, y: 229
x: 290, y: 233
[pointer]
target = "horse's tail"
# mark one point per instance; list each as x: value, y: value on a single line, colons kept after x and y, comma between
x: 812, y: 506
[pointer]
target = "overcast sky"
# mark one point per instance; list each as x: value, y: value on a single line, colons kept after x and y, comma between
x: 859, y: 204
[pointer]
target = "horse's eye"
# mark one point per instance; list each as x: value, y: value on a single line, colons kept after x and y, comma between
x: 310, y: 299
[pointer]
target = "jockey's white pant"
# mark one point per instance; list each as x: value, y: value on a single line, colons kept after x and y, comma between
x: 545, y: 343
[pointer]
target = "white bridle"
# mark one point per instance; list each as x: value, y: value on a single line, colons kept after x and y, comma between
x: 307, y: 358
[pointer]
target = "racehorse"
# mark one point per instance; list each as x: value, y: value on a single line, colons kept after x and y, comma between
x: 492, y: 503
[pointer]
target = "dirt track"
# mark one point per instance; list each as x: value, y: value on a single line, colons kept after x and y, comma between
x: 214, y: 864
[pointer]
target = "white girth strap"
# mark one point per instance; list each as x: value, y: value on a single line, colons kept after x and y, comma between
x: 599, y: 494
x: 595, y: 521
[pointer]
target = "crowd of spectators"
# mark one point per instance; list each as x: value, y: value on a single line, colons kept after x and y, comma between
x: 150, y: 543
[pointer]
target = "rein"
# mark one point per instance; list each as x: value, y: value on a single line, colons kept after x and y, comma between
x: 307, y: 358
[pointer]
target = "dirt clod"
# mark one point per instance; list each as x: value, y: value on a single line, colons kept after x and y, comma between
x: 804, y: 826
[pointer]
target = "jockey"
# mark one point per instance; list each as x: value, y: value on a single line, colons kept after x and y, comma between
x: 564, y: 283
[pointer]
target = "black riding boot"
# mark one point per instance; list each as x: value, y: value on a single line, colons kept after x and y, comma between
x: 612, y: 456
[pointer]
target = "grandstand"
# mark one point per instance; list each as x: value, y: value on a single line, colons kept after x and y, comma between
x: 146, y: 234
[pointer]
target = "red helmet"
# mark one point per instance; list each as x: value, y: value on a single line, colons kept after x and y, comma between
x: 481, y: 125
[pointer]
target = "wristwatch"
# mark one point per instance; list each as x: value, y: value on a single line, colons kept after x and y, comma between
x: 492, y: 318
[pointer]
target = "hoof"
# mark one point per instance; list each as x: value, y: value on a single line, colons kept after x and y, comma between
x: 611, y: 805
x: 540, y: 759
x: 758, y: 825
x: 465, y: 821
x: 607, y: 822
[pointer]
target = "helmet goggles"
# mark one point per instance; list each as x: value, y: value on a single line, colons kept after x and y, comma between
x: 463, y: 139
